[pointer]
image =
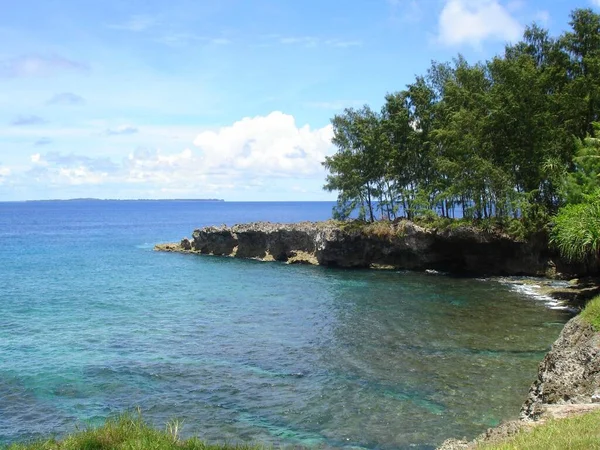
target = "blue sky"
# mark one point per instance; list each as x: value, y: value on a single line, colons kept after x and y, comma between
x: 229, y: 99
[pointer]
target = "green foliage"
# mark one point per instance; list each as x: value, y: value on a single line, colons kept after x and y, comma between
x: 127, y: 432
x: 591, y: 313
x: 506, y: 138
x: 585, y: 177
x: 576, y: 231
x: 576, y: 433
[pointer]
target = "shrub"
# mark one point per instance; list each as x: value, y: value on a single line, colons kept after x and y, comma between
x: 576, y: 231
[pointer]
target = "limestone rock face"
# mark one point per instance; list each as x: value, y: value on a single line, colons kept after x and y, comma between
x: 570, y: 372
x: 185, y: 244
x: 214, y: 240
x: 402, y: 245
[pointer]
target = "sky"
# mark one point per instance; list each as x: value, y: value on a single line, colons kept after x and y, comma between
x: 228, y: 99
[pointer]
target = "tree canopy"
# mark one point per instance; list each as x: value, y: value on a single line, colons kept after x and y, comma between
x: 500, y: 139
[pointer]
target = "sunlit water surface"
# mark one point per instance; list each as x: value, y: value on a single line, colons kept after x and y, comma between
x: 94, y: 322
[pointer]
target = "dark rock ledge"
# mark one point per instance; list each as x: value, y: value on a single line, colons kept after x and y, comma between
x: 402, y: 245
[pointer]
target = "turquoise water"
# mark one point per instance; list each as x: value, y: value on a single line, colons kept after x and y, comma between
x: 94, y: 322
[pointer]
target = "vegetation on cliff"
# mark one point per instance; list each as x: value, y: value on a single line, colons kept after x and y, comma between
x: 576, y: 230
x: 591, y: 313
x: 498, y: 139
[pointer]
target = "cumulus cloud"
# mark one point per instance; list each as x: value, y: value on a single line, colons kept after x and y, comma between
x: 263, y: 146
x: 39, y: 65
x: 122, y: 130
x: 272, y: 144
x: 246, y: 155
x: 66, y: 98
x: 25, y: 120
x: 472, y: 22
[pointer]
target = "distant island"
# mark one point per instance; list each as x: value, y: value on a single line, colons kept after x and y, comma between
x: 131, y: 200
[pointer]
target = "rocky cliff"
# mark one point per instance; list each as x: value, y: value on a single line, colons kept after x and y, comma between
x: 402, y: 245
x: 568, y: 384
x: 568, y: 375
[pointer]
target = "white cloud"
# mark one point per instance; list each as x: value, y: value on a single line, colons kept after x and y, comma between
x: 596, y: 2
x: 81, y: 175
x: 474, y: 21
x: 267, y: 145
x: 151, y: 165
x: 247, y: 155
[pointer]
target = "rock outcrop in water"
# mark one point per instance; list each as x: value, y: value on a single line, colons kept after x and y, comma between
x: 402, y: 245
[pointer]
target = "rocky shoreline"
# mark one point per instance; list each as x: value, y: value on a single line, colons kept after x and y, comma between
x: 401, y: 245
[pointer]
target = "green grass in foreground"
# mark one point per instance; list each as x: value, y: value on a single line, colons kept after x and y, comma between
x: 591, y: 313
x: 128, y: 432
x: 576, y: 433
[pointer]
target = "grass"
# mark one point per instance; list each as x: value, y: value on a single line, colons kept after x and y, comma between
x: 128, y: 432
x: 576, y: 433
x: 591, y: 313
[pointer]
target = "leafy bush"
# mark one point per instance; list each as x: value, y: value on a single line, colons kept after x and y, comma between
x: 576, y: 231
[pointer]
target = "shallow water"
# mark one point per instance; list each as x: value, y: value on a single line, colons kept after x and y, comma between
x: 94, y: 323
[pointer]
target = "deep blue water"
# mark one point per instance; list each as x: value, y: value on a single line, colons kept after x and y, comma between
x: 94, y: 323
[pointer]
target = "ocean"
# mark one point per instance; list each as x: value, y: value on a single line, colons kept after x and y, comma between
x: 95, y: 323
